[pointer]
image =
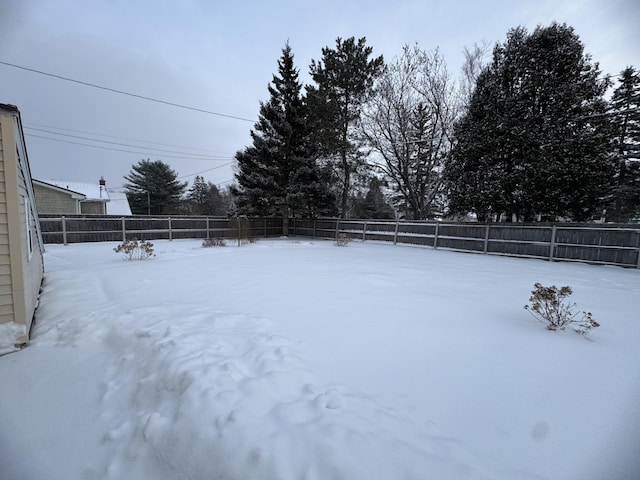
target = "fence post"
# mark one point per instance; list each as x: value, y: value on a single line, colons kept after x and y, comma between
x: 170, y: 232
x: 395, y: 233
x: 435, y: 237
x: 315, y: 220
x: 364, y: 231
x: 64, y: 230
x: 486, y: 239
x: 337, y: 229
x: 552, y: 245
x: 124, y: 231
x: 208, y: 234
x: 265, y: 227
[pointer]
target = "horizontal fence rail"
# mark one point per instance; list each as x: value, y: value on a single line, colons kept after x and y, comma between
x: 88, y: 228
x: 590, y: 243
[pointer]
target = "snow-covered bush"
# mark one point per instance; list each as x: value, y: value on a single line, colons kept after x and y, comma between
x: 135, y: 249
x: 213, y: 242
x: 342, y: 239
x: 549, y: 305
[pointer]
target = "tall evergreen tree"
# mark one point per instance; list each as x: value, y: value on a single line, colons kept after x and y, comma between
x: 152, y: 186
x: 198, y: 191
x: 373, y: 204
x: 278, y: 174
x: 534, y: 139
x: 343, y: 80
x: 204, y: 198
x: 625, y: 114
x: 473, y: 174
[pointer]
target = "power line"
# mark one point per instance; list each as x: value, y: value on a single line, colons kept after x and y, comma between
x: 30, y: 125
x: 226, y: 181
x: 121, y: 92
x: 211, y: 157
x: 183, y: 157
x: 205, y: 171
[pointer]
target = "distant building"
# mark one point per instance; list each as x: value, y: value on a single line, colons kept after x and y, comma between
x: 21, y: 247
x: 73, y: 198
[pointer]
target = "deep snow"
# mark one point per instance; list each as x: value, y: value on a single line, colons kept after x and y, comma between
x: 293, y: 359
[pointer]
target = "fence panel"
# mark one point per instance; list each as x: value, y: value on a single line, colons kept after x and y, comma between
x: 600, y: 244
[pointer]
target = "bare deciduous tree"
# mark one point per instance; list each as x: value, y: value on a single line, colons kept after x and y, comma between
x: 474, y: 63
x: 409, y: 123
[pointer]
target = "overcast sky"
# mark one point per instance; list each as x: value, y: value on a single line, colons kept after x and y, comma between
x: 220, y: 56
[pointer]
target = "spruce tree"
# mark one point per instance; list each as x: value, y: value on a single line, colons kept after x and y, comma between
x: 198, y: 192
x: 152, y: 186
x: 624, y: 202
x: 277, y: 174
x: 534, y: 139
x: 205, y: 199
x: 343, y: 80
x: 373, y: 204
x: 472, y: 173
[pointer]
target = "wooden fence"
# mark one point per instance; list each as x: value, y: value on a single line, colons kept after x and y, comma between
x: 89, y: 228
x: 591, y: 243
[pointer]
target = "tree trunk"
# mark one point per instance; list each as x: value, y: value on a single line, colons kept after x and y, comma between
x: 345, y: 188
x: 285, y: 221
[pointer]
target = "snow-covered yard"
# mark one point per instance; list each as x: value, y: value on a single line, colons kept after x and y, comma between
x: 293, y: 359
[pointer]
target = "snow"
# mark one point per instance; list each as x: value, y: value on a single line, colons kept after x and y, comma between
x: 93, y: 191
x: 116, y: 200
x: 9, y: 334
x: 298, y: 359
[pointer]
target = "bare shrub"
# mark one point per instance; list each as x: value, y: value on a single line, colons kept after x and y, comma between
x: 342, y: 239
x: 549, y: 305
x: 213, y: 242
x: 135, y: 249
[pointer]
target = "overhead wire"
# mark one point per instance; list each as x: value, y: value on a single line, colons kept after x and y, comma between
x: 29, y: 125
x: 184, y: 157
x: 205, y: 171
x: 123, y: 144
x: 122, y: 92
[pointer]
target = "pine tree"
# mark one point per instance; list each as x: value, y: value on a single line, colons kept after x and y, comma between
x: 198, y: 192
x: 204, y: 198
x: 152, y: 186
x: 373, y: 204
x: 624, y: 202
x: 344, y: 79
x: 472, y: 173
x: 534, y: 139
x: 278, y: 174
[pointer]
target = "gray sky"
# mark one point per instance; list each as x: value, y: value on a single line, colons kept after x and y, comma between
x: 220, y: 56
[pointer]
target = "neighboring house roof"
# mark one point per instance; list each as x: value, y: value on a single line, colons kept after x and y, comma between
x: 93, y: 192
x: 74, y: 194
x: 116, y: 201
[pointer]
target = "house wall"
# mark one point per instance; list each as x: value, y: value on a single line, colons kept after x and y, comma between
x: 6, y: 293
x: 52, y: 201
x: 92, y: 208
x: 21, y: 248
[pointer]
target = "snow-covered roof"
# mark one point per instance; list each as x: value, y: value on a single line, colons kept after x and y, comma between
x: 94, y: 192
x: 118, y: 202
